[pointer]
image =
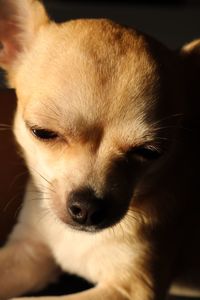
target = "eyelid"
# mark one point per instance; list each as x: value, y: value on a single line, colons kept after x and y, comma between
x: 148, y: 152
x: 32, y: 126
x: 152, y: 147
x: 61, y: 137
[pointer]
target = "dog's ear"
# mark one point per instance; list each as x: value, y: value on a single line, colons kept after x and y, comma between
x: 19, y: 22
x: 191, y: 52
x: 192, y: 47
x: 190, y: 56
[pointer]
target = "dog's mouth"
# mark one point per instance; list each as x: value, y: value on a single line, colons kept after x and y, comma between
x: 92, y: 210
x: 86, y: 212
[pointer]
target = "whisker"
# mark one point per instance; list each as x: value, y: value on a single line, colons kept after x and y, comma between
x: 6, y: 126
x: 44, y: 214
x: 39, y: 193
x: 18, y: 176
x: 136, y: 215
x: 44, y: 178
x: 122, y: 230
x: 10, y: 201
x: 45, y: 187
x: 112, y: 228
x: 178, y: 115
x: 4, y: 129
x: 18, y: 210
x: 40, y: 198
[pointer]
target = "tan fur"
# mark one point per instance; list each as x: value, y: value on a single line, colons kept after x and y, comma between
x: 105, y: 89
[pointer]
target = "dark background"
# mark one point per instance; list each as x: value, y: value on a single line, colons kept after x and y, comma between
x: 173, y: 22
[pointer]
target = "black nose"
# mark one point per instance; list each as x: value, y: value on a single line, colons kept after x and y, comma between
x: 85, y: 208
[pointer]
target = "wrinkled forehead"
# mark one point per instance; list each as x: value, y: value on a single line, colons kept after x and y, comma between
x: 96, y: 69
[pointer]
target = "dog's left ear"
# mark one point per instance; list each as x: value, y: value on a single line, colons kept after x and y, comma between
x: 190, y: 57
x: 19, y: 22
x: 191, y: 48
x: 191, y: 53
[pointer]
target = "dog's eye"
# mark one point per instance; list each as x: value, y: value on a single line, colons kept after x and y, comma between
x: 146, y: 152
x: 44, y: 134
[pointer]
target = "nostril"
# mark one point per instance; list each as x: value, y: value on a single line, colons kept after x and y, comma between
x: 76, y: 210
x: 78, y: 213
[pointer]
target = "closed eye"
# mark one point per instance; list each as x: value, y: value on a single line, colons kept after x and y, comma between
x: 44, y: 134
x: 145, y: 152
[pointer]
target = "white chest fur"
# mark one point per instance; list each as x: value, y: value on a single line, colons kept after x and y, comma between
x: 94, y: 256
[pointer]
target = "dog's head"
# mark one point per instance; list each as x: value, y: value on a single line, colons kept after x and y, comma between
x: 97, y: 110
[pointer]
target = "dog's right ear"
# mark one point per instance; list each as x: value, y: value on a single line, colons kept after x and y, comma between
x: 19, y: 22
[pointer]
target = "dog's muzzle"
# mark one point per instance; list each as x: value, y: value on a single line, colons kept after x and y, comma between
x: 87, y: 212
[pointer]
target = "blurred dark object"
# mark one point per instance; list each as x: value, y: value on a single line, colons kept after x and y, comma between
x: 152, y: 2
x: 67, y: 284
x: 12, y: 173
x: 147, y: 2
x: 2, y: 80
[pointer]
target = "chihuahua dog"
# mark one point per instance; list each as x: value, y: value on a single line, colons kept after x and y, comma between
x: 102, y: 120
